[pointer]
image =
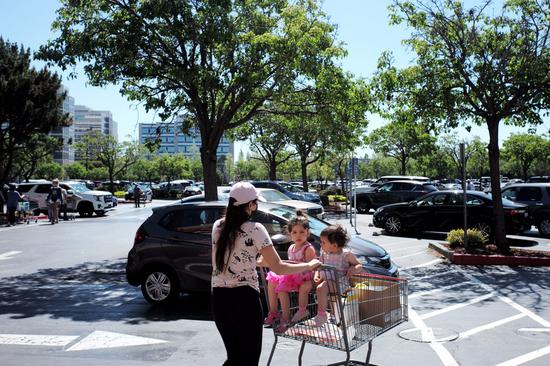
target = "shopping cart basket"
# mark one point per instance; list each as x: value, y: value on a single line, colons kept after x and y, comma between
x: 26, y: 211
x: 361, y: 308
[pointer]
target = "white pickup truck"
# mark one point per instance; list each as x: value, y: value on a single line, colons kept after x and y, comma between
x: 79, y: 197
x: 85, y: 201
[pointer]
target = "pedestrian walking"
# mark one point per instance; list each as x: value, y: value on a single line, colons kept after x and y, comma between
x: 237, y: 242
x: 54, y: 199
x: 12, y: 202
x: 137, y: 195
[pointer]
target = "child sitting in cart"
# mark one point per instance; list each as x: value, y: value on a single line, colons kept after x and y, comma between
x: 279, y: 286
x: 333, y: 253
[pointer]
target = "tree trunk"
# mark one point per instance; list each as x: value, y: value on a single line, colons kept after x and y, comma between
x: 498, y: 212
x: 303, y: 163
x: 272, y: 169
x: 208, y: 159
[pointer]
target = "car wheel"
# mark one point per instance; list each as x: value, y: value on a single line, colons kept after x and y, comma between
x: 393, y: 224
x: 544, y: 227
x: 159, y: 286
x: 363, y: 206
x: 85, y: 209
x: 485, y: 228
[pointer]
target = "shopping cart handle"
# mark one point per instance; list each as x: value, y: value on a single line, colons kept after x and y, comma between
x: 327, y: 266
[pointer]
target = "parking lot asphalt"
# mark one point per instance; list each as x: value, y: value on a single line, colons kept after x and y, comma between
x: 83, y: 311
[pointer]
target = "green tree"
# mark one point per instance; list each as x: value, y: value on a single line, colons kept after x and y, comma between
x: 523, y: 150
x: 75, y: 170
x: 401, y: 139
x: 173, y: 167
x: 49, y: 170
x: 30, y: 105
x: 485, y: 69
x: 39, y: 148
x: 115, y: 157
x: 218, y: 61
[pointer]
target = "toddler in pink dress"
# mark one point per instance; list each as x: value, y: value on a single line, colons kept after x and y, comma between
x: 279, y: 286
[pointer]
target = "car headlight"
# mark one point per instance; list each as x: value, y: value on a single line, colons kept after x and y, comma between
x: 378, y: 210
x: 369, y: 260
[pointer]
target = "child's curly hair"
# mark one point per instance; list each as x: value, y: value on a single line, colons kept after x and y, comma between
x: 336, y: 234
x: 299, y: 219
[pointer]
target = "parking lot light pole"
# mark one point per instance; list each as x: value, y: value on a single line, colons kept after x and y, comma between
x: 463, y: 163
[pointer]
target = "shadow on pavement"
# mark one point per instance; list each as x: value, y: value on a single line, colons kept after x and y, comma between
x: 91, y: 292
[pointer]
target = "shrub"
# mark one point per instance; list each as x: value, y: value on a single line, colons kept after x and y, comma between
x: 120, y: 194
x: 476, y: 238
x: 336, y: 198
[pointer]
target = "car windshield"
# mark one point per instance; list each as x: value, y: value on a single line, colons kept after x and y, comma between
x: 79, y: 187
x: 274, y: 196
x: 315, y: 225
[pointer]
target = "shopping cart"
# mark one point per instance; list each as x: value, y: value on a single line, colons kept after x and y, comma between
x: 361, y: 308
x: 26, y: 211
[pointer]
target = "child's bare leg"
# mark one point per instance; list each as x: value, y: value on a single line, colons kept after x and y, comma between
x: 272, y: 296
x: 303, y: 294
x: 322, y: 297
x: 284, y: 299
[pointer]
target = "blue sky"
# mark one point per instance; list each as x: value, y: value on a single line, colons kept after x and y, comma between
x: 362, y: 26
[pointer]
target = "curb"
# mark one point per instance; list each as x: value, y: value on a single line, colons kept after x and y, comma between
x: 498, y: 260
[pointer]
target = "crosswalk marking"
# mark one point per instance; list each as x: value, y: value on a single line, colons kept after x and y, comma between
x: 36, y: 340
x: 100, y: 339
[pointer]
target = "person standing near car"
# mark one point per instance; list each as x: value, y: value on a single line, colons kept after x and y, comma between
x: 12, y: 202
x: 137, y: 195
x: 55, y: 199
x: 237, y: 243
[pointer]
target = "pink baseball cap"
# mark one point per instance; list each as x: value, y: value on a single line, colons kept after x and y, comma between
x: 243, y: 192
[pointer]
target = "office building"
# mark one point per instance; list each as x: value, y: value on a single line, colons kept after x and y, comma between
x: 88, y: 120
x: 65, y: 154
x: 173, y: 141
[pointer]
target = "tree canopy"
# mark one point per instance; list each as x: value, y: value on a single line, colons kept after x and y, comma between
x: 215, y: 61
x: 473, y: 67
x: 30, y: 104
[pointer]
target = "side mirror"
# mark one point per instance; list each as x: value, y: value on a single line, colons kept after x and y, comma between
x: 279, y: 239
x: 70, y: 192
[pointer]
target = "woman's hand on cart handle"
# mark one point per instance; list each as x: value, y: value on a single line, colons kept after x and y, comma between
x: 314, y: 264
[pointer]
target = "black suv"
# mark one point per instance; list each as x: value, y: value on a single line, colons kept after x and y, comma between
x: 392, y: 192
x: 537, y: 197
x: 172, y: 250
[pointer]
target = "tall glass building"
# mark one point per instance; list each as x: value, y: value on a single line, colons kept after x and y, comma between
x: 173, y: 141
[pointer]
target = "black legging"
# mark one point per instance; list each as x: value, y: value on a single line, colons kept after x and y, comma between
x: 238, y: 316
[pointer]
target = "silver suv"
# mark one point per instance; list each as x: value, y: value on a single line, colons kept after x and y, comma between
x: 537, y: 197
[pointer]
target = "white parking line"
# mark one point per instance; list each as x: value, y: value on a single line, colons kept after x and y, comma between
x: 534, y: 330
x: 492, y: 325
x: 525, y: 311
x: 423, y: 264
x: 430, y: 292
x: 457, y: 306
x: 526, y: 357
x: 443, y: 354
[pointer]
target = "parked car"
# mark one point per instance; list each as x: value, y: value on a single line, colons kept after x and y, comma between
x: 537, y: 197
x: 146, y: 192
x: 172, y: 249
x: 392, y: 192
x: 295, y: 194
x: 443, y: 211
x: 191, y: 191
x: 79, y: 197
x: 273, y: 195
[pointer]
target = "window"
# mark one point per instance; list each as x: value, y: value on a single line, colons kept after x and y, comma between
x: 404, y: 187
x: 510, y: 194
x: 43, y: 188
x: 529, y: 194
x: 23, y: 188
x: 386, y: 187
x: 272, y: 225
x: 198, y: 221
x: 457, y: 200
x: 473, y: 201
